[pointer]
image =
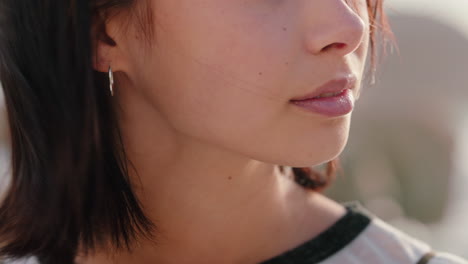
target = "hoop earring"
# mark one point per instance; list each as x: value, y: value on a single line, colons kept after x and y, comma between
x: 111, y: 81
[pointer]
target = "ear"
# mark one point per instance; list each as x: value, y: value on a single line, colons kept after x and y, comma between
x: 107, y: 43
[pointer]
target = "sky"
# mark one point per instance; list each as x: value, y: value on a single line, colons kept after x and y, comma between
x: 452, y: 12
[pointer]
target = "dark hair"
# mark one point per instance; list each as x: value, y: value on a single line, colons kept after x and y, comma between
x: 70, y: 189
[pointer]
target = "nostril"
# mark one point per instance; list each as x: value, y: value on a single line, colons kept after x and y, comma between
x: 338, y: 46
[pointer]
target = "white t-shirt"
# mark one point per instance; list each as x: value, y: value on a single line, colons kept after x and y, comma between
x: 361, y: 237
x: 381, y: 243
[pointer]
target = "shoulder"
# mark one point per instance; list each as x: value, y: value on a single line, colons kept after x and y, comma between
x: 445, y: 258
x: 382, y: 243
x: 392, y: 243
x: 409, y: 247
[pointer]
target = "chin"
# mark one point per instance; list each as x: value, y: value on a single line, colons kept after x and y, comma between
x: 324, y: 157
x: 320, y: 148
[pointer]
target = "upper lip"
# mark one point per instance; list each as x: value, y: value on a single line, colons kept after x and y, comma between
x: 335, y: 85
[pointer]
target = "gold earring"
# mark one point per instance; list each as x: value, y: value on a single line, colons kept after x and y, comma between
x: 111, y: 81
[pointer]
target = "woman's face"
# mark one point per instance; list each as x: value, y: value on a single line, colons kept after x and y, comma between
x: 224, y: 72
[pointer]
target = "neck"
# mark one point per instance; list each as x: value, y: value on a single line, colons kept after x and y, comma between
x: 211, y: 205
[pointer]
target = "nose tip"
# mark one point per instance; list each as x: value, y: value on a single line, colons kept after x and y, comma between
x: 339, y: 32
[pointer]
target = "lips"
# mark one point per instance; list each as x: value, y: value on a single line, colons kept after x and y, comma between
x: 331, y: 88
x: 333, y: 99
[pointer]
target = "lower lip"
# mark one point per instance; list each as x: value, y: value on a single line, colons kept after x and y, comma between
x: 338, y: 105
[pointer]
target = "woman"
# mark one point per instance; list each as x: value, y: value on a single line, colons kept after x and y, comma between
x: 181, y: 131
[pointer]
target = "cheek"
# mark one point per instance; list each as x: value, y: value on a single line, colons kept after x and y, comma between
x: 214, y: 103
x: 226, y: 84
x: 245, y: 117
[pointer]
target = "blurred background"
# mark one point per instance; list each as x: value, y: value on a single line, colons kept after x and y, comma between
x: 407, y: 157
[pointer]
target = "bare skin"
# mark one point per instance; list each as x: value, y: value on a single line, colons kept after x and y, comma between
x: 206, y: 119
